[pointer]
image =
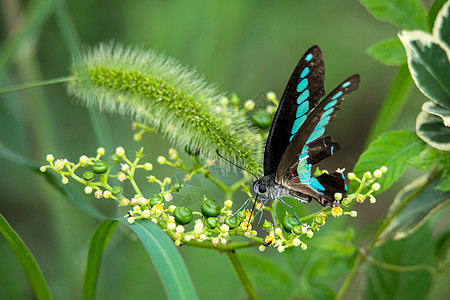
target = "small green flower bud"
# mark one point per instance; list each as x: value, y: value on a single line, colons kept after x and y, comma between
x: 280, y: 249
x: 98, y: 194
x: 262, y: 248
x: 115, y: 159
x: 383, y: 169
x: 168, y: 197
x: 241, y: 214
x: 309, y: 233
x: 224, y: 228
x: 278, y: 231
x: 146, y: 213
x: 50, y: 158
x: 171, y: 226
x: 107, y: 194
x: 210, y: 208
x: 183, y: 215
x: 84, y: 160
x: 64, y: 180
x: 228, y: 203
x: 100, y: 167
x: 351, y: 176
x: 148, y: 166
x: 234, y: 100
x: 88, y: 176
x: 377, y: 173
x: 224, y: 101
x: 372, y: 200
x: 88, y: 190
x: 125, y: 167
x: 231, y: 221
x: 297, y: 229
x: 176, y: 187
x: 156, y: 199
x: 151, y: 178
x: 289, y: 222
x: 101, y: 151
x: 296, y: 242
x: 249, y: 105
x: 215, y: 241
x: 161, y: 160
x: 59, y: 164
x: 360, y: 198
x: 212, y: 222
x: 223, y: 241
x: 338, y: 196
x: 376, y: 186
x: 271, y: 96
x: 179, y: 164
x: 116, y: 190
x: 267, y: 226
x: 172, y: 208
x: 167, y: 180
x: 173, y: 154
x: 120, y: 151
x: 353, y: 213
x: 130, y: 220
x: 261, y: 119
x: 124, y: 202
x: 43, y: 169
x: 304, y: 246
x: 179, y: 228
x: 367, y: 175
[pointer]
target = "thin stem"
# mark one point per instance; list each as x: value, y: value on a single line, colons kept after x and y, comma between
x: 242, y: 275
x: 361, y: 258
x: 34, y: 84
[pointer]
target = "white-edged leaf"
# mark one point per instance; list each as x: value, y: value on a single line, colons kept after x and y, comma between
x: 437, y: 110
x: 388, y: 52
x: 432, y: 130
x: 429, y: 64
x: 441, y: 28
x: 417, y: 202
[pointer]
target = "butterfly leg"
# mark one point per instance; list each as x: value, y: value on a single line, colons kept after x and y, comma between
x: 245, y: 205
x: 295, y: 213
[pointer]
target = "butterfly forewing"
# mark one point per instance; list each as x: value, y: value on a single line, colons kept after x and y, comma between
x: 302, y: 93
x: 295, y: 158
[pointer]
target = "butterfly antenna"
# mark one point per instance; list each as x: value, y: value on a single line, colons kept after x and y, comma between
x: 237, y: 166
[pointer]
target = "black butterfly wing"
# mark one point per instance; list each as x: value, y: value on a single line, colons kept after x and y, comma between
x: 304, y: 149
x: 302, y: 93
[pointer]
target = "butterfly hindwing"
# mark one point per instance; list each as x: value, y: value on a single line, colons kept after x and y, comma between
x: 302, y: 93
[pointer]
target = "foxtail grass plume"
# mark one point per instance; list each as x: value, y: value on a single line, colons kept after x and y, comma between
x: 158, y: 91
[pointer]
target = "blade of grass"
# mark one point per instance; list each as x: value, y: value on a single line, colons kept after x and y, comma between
x: 26, y: 259
x: 166, y: 259
x: 98, y: 244
x: 393, y: 104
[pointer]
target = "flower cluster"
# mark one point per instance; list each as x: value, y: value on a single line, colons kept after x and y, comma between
x: 213, y: 225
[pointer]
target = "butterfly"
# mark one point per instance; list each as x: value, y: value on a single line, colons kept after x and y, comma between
x: 296, y: 139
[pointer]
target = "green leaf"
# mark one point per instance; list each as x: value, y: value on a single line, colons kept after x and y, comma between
x: 441, y: 28
x: 166, y: 258
x: 99, y: 241
x: 413, y: 206
x: 431, y: 157
x: 393, y: 150
x: 389, y: 52
x: 405, y: 14
x: 26, y: 259
x: 405, y: 277
x: 429, y: 65
x: 437, y: 110
x: 434, y: 10
x: 432, y: 130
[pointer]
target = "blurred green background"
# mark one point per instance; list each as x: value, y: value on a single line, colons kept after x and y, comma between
x: 246, y: 47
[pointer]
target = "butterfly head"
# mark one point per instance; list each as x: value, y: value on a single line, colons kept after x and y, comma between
x: 259, y: 187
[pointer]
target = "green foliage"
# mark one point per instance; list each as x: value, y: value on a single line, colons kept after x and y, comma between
x: 29, y: 264
x: 389, y: 52
x: 413, y: 206
x: 166, y: 259
x: 393, y: 150
x: 429, y: 63
x: 404, y: 14
x: 430, y: 158
x: 400, y: 269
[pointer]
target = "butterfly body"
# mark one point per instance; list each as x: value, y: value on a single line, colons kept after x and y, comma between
x: 296, y: 139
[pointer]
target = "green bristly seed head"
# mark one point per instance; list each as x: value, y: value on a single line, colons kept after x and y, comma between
x: 159, y: 92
